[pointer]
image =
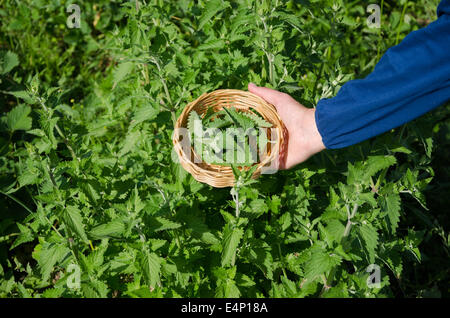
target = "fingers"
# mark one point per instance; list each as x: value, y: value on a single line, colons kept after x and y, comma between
x: 272, y: 96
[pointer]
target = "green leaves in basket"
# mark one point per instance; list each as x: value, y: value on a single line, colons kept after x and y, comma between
x: 227, y: 136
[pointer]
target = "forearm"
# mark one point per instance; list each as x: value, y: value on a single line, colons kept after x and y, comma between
x: 411, y: 79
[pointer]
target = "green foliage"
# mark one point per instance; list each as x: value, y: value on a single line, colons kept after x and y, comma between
x: 18, y: 119
x: 232, y: 144
x: 87, y: 179
x: 8, y: 60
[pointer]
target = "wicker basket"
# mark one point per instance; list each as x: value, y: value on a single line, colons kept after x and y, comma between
x: 222, y: 176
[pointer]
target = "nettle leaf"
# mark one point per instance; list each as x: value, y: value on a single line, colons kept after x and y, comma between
x: 130, y: 142
x: 376, y: 163
x: 320, y: 262
x: 219, y: 123
x: 49, y: 255
x: 111, y: 229
x: 95, y: 289
x: 24, y: 95
x: 48, y: 125
x: 258, y: 207
x: 239, y: 119
x: 212, y: 8
x: 226, y: 284
x: 231, y: 238
x: 156, y: 244
x: 392, y: 253
x: 335, y: 229
x: 368, y: 197
x: 227, y: 289
x: 8, y: 61
x: 209, y: 113
x: 144, y: 113
x: 274, y: 204
x: 90, y: 189
x: 291, y: 19
x: 134, y: 202
x: 29, y: 176
x: 212, y: 44
x: 151, y: 268
x: 257, y: 120
x: 74, y: 221
x: 369, y: 238
x: 428, y: 144
x: 391, y: 206
x: 122, y: 71
x: 193, y: 117
x: 285, y: 221
x: 53, y: 292
x: 18, y: 119
x: 26, y: 235
x: 160, y: 224
x: 289, y: 287
x: 201, y: 230
x: 244, y: 280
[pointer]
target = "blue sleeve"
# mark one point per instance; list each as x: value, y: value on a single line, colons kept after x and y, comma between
x: 410, y: 79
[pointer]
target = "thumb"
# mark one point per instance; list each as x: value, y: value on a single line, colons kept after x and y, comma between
x: 271, y: 96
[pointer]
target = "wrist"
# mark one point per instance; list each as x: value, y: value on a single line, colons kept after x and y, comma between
x: 313, y: 137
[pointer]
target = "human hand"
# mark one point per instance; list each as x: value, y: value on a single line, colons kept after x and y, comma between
x: 304, y: 138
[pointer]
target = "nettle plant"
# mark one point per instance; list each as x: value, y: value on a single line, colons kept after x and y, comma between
x: 92, y: 184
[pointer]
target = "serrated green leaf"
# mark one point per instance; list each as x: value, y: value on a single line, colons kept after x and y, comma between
x: 74, y: 221
x: 240, y: 120
x: 376, y: 163
x: 142, y: 114
x: 320, y: 262
x: 151, y: 268
x: 158, y: 223
x: 8, y: 61
x: 95, y: 289
x: 49, y: 255
x: 231, y: 238
x: 24, y: 95
x: 212, y: 44
x: 130, y: 142
x: 211, y: 9
x: 391, y: 206
x: 18, y: 119
x: 258, y: 206
x: 25, y: 236
x: 369, y: 238
x: 122, y: 71
x: 260, y: 122
x: 111, y: 229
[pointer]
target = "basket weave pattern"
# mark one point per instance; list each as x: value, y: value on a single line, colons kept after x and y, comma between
x: 222, y: 176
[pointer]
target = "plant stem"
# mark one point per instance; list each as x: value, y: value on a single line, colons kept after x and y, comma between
x: 400, y: 23
x: 29, y: 210
x: 174, y: 117
x: 60, y: 133
x: 379, y: 33
x: 8, y: 236
x: 267, y: 52
x: 236, y: 202
x: 17, y: 201
x: 349, y: 221
x: 316, y: 84
x: 171, y: 107
x: 350, y: 215
x: 281, y: 260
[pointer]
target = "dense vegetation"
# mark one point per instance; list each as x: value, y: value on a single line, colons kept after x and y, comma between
x: 87, y: 179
